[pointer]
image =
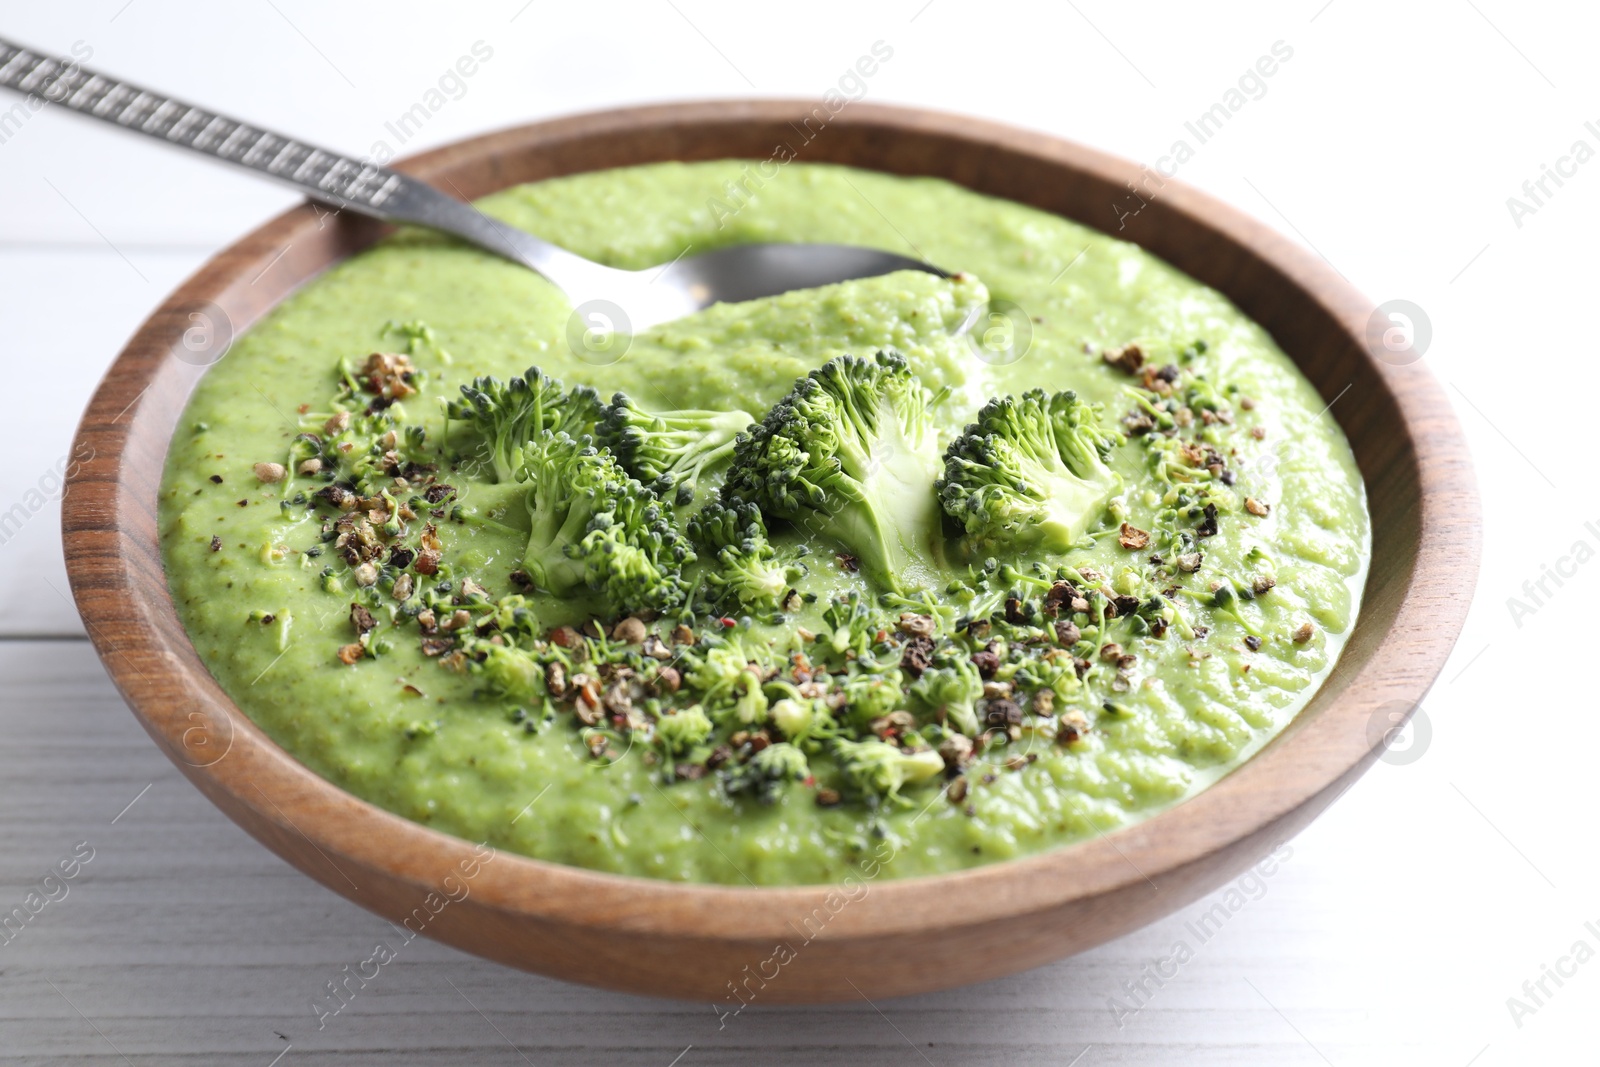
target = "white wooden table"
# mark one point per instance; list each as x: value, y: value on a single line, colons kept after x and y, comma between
x: 1401, y: 922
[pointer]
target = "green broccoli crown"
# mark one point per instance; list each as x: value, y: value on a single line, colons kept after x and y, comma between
x: 782, y: 761
x: 729, y: 678
x: 766, y: 773
x: 738, y: 526
x: 871, y: 696
x: 582, y: 411
x: 513, y: 615
x: 876, y: 770
x: 682, y: 730
x: 803, y: 720
x: 1030, y: 472
x: 850, y: 452
x: 595, y: 528
x: 853, y: 627
x: 953, y: 687
x: 509, y: 672
x: 670, y: 450
x: 507, y: 415
x: 747, y: 572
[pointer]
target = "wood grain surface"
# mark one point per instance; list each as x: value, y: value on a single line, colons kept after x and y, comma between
x: 901, y: 936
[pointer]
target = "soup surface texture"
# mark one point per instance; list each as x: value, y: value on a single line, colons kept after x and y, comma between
x: 923, y: 675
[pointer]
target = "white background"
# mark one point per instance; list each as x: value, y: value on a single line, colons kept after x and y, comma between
x: 1389, y: 143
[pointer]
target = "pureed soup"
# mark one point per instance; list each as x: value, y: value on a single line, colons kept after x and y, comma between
x: 903, y: 575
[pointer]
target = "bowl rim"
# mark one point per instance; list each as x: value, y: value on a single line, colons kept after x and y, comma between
x: 118, y: 581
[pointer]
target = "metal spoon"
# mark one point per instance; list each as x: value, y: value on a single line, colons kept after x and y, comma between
x: 604, y: 298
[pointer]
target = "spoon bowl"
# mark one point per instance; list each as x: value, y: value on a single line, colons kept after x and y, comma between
x: 749, y: 272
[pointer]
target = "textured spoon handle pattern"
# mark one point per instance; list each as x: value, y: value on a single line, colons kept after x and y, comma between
x: 320, y: 173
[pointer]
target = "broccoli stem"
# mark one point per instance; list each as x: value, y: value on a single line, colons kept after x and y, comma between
x: 890, y: 517
x: 892, y: 522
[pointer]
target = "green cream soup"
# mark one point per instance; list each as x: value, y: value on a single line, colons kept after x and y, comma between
x: 356, y: 576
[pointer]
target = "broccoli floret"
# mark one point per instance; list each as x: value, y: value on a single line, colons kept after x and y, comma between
x: 875, y: 770
x: 1030, y: 473
x: 748, y: 572
x: 953, y: 687
x: 855, y: 632
x: 509, y: 672
x: 802, y: 720
x: 850, y: 453
x: 767, y: 772
x: 1225, y: 599
x: 671, y: 451
x: 513, y: 616
x: 872, y: 696
x: 683, y: 730
x: 507, y: 415
x: 729, y: 679
x: 595, y: 528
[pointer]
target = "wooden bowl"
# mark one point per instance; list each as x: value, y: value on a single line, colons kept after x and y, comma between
x: 882, y: 938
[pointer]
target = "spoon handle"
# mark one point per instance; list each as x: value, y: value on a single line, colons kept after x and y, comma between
x: 333, y: 178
